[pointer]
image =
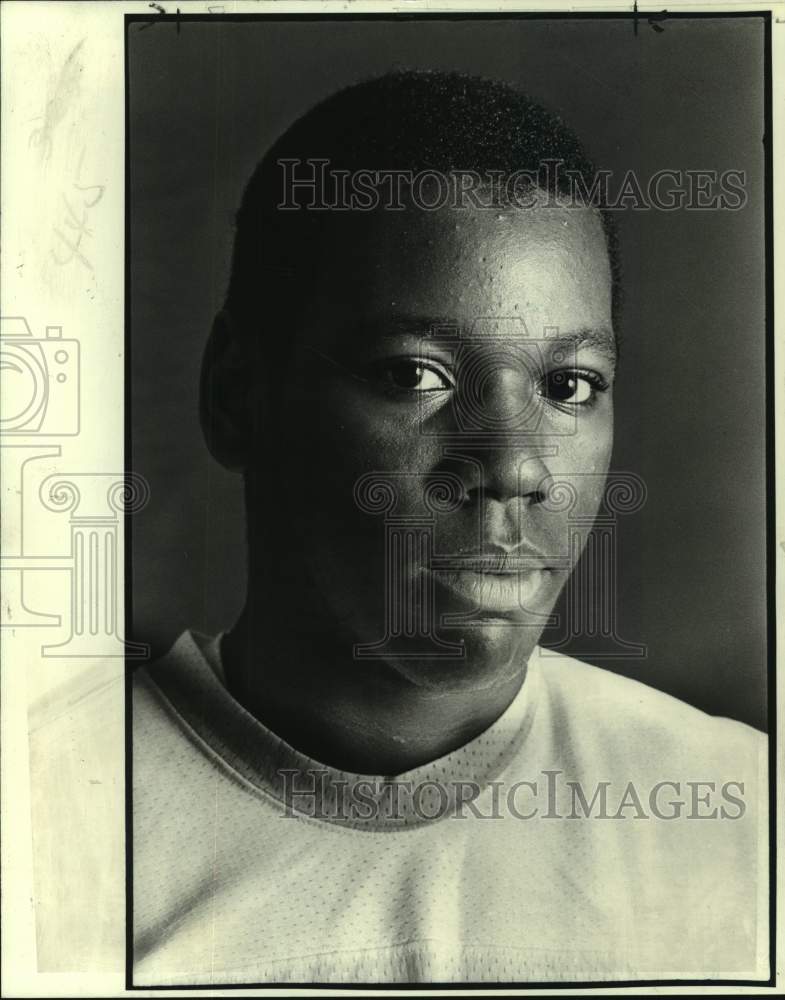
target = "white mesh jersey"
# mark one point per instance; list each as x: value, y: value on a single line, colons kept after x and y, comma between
x: 599, y: 830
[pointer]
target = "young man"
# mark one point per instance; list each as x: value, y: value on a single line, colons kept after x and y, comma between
x: 377, y: 775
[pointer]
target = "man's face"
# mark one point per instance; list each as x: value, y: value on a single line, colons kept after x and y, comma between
x: 469, y: 348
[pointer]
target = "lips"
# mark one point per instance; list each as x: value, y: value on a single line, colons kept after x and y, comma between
x: 499, y: 592
x: 502, y: 563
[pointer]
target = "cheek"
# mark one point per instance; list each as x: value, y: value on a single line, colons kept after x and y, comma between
x: 581, y: 465
x: 341, y: 434
x: 591, y: 452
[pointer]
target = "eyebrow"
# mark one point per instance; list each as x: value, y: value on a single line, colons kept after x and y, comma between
x: 601, y: 339
x: 419, y: 326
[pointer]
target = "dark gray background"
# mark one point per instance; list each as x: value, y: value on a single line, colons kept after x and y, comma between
x: 205, y: 102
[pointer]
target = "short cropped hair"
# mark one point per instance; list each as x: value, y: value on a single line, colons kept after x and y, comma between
x: 409, y: 120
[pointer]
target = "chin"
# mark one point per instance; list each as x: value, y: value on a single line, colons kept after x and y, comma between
x: 494, y: 652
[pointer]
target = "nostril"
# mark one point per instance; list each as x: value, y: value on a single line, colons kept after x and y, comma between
x: 478, y: 494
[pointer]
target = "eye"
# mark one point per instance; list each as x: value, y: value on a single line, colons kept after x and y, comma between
x: 574, y: 386
x: 413, y: 375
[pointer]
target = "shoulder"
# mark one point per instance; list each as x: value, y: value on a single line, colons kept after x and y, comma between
x: 192, y: 651
x: 160, y: 689
x: 664, y: 768
x: 594, y: 705
x: 174, y: 701
x: 189, y: 665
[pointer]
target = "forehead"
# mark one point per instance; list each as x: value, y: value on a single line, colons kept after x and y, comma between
x: 546, y: 265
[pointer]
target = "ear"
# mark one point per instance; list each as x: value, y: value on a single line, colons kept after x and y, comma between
x: 226, y: 395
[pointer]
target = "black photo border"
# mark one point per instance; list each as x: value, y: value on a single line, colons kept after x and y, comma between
x: 636, y: 19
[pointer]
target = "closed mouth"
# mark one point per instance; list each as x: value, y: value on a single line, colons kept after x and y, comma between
x: 498, y: 564
x: 493, y: 591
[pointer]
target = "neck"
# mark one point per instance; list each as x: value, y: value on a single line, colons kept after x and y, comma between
x: 302, y: 682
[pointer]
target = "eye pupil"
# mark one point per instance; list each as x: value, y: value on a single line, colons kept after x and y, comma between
x: 561, y: 385
x: 407, y: 375
x: 413, y: 376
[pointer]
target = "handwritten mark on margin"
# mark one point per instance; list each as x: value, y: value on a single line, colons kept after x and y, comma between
x: 63, y: 92
x: 75, y: 220
x: 651, y: 19
x: 161, y: 10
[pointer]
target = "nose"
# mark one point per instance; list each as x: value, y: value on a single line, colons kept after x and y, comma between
x: 509, y: 473
x: 506, y: 461
x: 504, y: 483
x: 512, y: 473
